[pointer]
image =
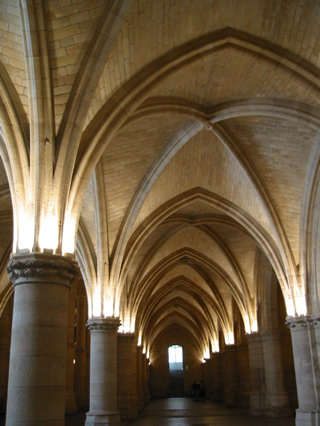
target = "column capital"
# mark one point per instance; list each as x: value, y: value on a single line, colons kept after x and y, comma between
x: 42, y: 267
x: 101, y: 325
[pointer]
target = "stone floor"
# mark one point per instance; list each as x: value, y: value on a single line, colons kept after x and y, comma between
x: 186, y: 412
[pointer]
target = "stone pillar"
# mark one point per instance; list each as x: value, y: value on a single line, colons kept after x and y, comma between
x: 103, y: 372
x: 71, y: 406
x: 276, y: 398
x: 80, y: 371
x: 305, y: 344
x: 127, y: 376
x: 257, y: 375
x: 140, y: 378
x: 37, y: 372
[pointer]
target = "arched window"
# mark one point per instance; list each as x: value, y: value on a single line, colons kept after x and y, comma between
x: 175, y: 355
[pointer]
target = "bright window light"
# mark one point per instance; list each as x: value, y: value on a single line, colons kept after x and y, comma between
x: 175, y: 355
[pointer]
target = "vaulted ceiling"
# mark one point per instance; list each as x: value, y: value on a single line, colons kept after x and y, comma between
x: 197, y: 140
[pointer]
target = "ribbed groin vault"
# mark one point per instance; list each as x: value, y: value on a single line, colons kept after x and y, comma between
x: 159, y: 186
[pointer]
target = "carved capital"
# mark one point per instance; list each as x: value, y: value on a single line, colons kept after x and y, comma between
x: 42, y: 267
x: 101, y: 325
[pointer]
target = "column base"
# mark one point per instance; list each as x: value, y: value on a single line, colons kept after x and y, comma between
x: 307, y: 418
x: 103, y: 419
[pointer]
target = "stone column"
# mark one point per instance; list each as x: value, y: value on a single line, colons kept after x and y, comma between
x: 80, y: 372
x: 257, y: 375
x: 71, y: 406
x: 276, y: 402
x: 37, y: 373
x: 127, y: 376
x: 103, y: 372
x: 305, y: 343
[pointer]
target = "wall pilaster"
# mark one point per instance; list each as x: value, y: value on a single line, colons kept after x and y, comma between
x: 141, y: 402
x: 231, y: 376
x: 207, y: 377
x: 276, y: 398
x: 145, y: 379
x: 244, y: 376
x: 305, y: 334
x: 103, y: 372
x: 80, y: 368
x: 127, y: 376
x: 206, y: 373
x: 71, y: 406
x: 37, y: 373
x: 257, y: 375
x: 268, y: 394
x: 217, y: 377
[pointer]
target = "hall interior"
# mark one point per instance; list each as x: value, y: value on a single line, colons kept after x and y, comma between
x: 159, y: 196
